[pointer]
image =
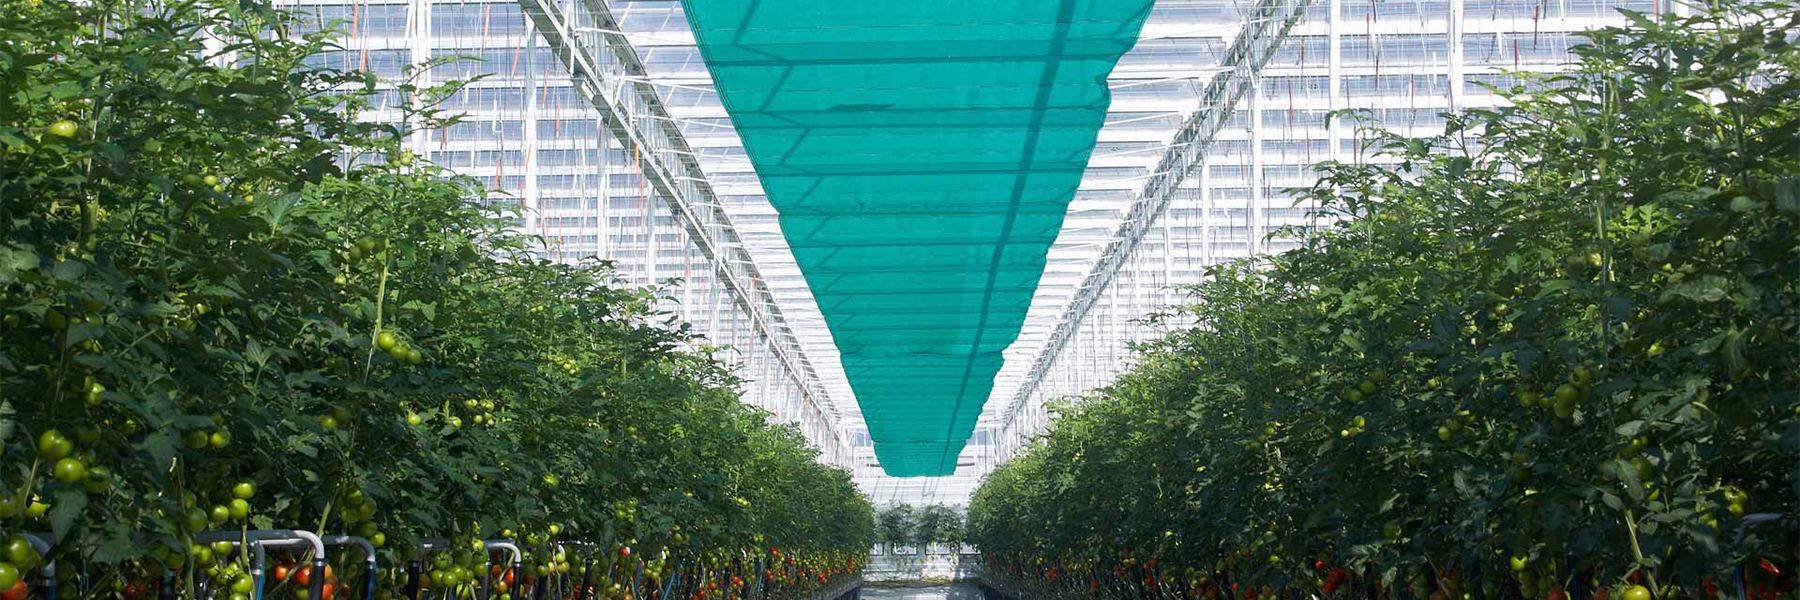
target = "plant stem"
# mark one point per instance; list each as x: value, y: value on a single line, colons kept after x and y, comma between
x: 1638, y: 553
x: 380, y: 302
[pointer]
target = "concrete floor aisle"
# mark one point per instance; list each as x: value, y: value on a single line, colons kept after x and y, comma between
x: 895, y: 591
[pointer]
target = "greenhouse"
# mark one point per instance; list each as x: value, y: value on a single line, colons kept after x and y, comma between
x: 908, y: 300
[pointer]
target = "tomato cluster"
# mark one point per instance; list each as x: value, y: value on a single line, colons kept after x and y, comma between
x: 1552, y: 357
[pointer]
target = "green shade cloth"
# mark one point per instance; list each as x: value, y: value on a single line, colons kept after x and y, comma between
x: 922, y: 154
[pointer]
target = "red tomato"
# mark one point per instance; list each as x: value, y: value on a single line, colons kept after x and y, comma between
x: 16, y: 592
x: 303, y: 576
x: 282, y: 571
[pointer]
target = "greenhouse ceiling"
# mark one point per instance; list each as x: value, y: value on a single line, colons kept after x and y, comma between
x: 1178, y: 44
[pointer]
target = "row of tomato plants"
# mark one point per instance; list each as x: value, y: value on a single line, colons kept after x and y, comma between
x: 481, y: 569
x: 1552, y: 354
x: 232, y: 301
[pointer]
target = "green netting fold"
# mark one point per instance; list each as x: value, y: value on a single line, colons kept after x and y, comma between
x: 922, y: 154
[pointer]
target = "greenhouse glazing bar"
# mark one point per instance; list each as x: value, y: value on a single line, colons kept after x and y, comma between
x: 1266, y: 26
x: 616, y: 83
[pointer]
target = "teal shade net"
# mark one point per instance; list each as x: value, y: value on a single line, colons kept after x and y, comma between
x: 922, y: 154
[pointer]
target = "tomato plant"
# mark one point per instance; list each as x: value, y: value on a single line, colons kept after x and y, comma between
x: 224, y: 309
x: 1553, y: 354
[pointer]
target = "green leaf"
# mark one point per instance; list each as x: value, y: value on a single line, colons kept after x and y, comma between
x: 116, y: 545
x: 15, y: 260
x: 68, y: 270
x: 84, y: 331
x: 429, y: 309
x: 161, y: 446
x: 1787, y: 194
x: 65, y: 508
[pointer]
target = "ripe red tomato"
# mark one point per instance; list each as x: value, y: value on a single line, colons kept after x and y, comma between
x: 282, y: 571
x: 303, y: 576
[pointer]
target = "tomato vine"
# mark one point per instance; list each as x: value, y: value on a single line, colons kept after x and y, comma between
x: 1552, y: 353
x: 232, y: 301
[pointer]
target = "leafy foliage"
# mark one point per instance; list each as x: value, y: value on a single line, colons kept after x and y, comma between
x: 907, y: 525
x: 215, y: 270
x: 1553, y: 352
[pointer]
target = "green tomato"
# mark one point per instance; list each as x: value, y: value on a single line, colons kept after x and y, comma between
x: 65, y: 129
x: 239, y: 507
x: 243, y: 584
x: 244, y: 490
x: 386, y: 340
x: 196, y: 439
x: 70, y: 471
x: 20, y: 553
x: 1581, y: 376
x: 196, y: 518
x: 52, y: 445
x: 219, y: 514
x: 9, y: 575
